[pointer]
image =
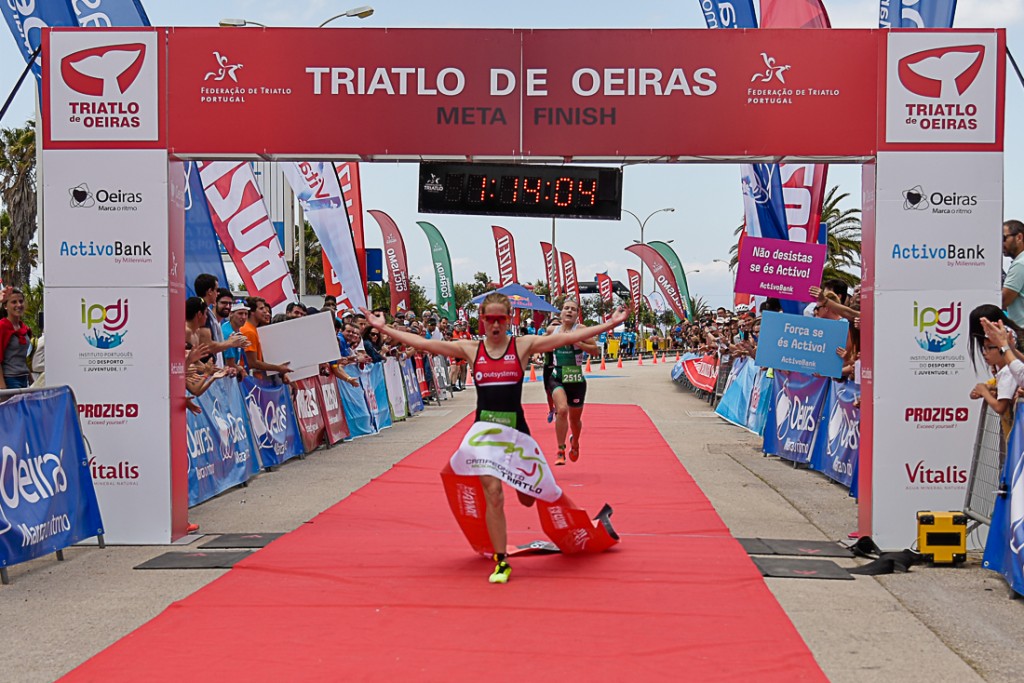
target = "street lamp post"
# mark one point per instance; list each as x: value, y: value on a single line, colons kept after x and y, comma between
x: 642, y: 224
x: 361, y: 12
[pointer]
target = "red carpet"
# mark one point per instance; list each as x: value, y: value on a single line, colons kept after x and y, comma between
x: 383, y: 587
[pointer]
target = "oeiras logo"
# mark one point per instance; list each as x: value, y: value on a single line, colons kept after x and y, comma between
x: 31, y: 479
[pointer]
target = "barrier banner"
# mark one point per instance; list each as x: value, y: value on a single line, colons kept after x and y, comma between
x: 334, y: 415
x: 838, y: 459
x: 702, y: 372
x: 735, y: 402
x: 421, y: 377
x: 372, y: 379
x: 357, y: 413
x: 47, y: 500
x: 793, y: 416
x: 221, y: 452
x: 395, y: 384
x: 440, y: 367
x: 1004, y: 550
x: 312, y: 427
x: 272, y: 421
x: 760, y: 400
x: 412, y: 387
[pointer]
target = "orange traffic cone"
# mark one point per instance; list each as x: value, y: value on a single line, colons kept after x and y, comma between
x: 640, y: 359
x: 603, y: 366
x: 587, y: 369
x: 655, y: 357
x: 533, y: 373
x: 677, y: 355
x: 620, y: 362
x: 663, y: 360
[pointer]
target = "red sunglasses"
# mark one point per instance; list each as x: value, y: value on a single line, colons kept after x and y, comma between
x: 495, y: 318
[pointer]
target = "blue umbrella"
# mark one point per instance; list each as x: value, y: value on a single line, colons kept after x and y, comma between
x: 521, y: 298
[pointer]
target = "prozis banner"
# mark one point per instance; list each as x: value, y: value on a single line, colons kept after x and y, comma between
x: 505, y: 252
x: 243, y: 225
x: 405, y: 92
x: 103, y: 86
x: 944, y: 88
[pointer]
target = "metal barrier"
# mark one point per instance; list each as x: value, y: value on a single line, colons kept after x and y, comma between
x: 986, y: 468
x: 724, y: 369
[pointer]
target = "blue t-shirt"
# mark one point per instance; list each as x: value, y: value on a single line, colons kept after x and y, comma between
x: 346, y: 350
x: 233, y: 353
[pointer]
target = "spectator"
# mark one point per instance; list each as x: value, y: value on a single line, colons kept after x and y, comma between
x: 1013, y: 285
x: 15, y: 341
x: 331, y: 303
x: 237, y: 317
x: 371, y: 342
x: 259, y: 315
x: 211, y: 332
x: 294, y: 310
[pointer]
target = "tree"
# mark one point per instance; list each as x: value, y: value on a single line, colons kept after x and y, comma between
x: 380, y: 295
x: 18, y: 194
x: 314, y: 262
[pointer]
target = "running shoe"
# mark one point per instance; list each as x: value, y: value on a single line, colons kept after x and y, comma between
x: 574, y: 449
x: 551, y: 416
x: 560, y: 458
x: 502, y: 571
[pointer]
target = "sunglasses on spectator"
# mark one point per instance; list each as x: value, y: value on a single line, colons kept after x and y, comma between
x: 489, y: 319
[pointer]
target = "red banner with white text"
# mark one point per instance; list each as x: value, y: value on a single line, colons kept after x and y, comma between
x: 551, y: 271
x: 702, y: 372
x: 334, y: 413
x: 312, y: 428
x: 604, y: 288
x: 662, y: 274
x: 244, y: 228
x: 395, y: 263
x: 634, y: 288
x: 571, y: 283
x: 505, y: 252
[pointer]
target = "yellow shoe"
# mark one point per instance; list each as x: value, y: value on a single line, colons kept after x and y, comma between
x: 502, y: 571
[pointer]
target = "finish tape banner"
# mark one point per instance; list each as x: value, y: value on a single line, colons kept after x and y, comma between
x: 1004, y: 550
x: 221, y: 452
x: 794, y: 415
x: 412, y: 387
x: 273, y: 423
x: 47, y: 500
x: 702, y: 372
x: 837, y: 459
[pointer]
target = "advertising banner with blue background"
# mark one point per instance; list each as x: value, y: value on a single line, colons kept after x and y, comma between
x: 221, y: 452
x: 27, y: 21
x: 838, y: 459
x: 272, y: 420
x: 734, y: 403
x: 372, y: 379
x: 916, y: 13
x: 202, y: 250
x: 47, y: 500
x: 760, y: 400
x: 357, y: 412
x: 412, y: 387
x: 793, y: 416
x: 1004, y: 550
x: 801, y: 344
x: 729, y: 13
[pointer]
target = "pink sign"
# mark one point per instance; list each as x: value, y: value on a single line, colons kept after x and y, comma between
x: 779, y: 268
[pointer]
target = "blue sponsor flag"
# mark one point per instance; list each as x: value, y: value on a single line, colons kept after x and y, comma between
x: 735, y: 400
x: 839, y: 450
x: 793, y: 415
x: 412, y: 388
x: 357, y: 412
x: 202, y: 250
x: 372, y: 379
x: 729, y: 13
x: 760, y: 400
x: 916, y: 13
x: 47, y: 499
x: 1004, y: 549
x: 221, y: 452
x: 272, y: 423
x: 104, y: 13
x: 27, y: 21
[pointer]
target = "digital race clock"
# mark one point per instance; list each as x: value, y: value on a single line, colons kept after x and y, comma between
x: 521, y: 190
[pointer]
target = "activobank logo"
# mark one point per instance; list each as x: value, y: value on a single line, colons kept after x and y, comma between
x: 103, y: 86
x: 941, y: 87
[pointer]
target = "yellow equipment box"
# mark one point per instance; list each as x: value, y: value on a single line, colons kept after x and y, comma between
x: 942, y: 536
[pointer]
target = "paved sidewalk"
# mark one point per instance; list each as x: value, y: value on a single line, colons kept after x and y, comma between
x: 929, y: 625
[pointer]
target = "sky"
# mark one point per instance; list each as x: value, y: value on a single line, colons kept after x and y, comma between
x: 706, y: 197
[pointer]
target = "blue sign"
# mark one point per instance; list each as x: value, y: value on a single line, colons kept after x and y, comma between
x: 372, y: 379
x: 202, y: 248
x: 735, y: 401
x: 47, y: 500
x: 838, y: 459
x: 794, y: 414
x: 27, y: 21
x: 357, y: 412
x: 272, y: 421
x: 412, y: 388
x: 729, y: 13
x: 375, y: 265
x: 221, y: 452
x: 916, y: 13
x: 1004, y: 550
x: 801, y: 344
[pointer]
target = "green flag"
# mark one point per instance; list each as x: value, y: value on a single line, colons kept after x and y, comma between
x: 442, y: 271
x: 676, y: 265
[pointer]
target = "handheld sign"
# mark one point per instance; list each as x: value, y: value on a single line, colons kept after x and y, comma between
x: 779, y: 268
x: 305, y: 343
x: 801, y: 343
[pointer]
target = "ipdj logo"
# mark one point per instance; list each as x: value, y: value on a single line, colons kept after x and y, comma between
x: 772, y: 70
x: 941, y: 71
x: 105, y: 325
x: 224, y: 69
x: 943, y: 321
x: 81, y: 197
x: 914, y: 199
x: 103, y: 71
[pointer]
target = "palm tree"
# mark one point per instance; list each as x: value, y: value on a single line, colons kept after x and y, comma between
x: 18, y: 194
